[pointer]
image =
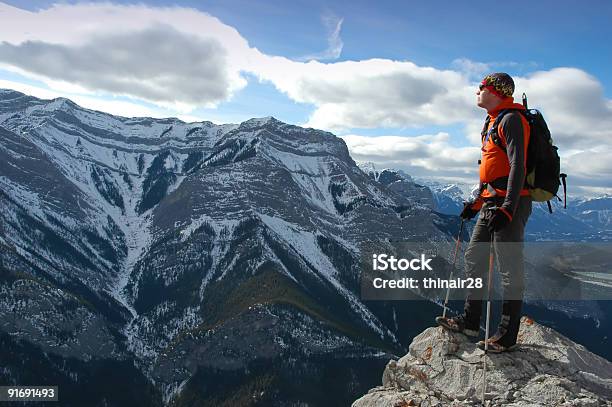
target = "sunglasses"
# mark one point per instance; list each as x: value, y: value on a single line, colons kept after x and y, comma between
x: 481, y: 86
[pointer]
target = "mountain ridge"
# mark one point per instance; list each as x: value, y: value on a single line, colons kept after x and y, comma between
x: 155, y: 232
x: 214, y: 261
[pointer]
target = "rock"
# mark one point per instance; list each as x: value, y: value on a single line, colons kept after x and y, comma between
x: 442, y: 368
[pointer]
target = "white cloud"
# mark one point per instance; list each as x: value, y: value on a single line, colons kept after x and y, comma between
x: 422, y: 156
x: 182, y: 58
x: 590, y: 168
x: 163, y: 55
x: 577, y: 112
x: 157, y: 64
x: 371, y: 93
x: 574, y: 105
x: 433, y: 156
x: 472, y: 69
x: 476, y: 70
x: 333, y: 25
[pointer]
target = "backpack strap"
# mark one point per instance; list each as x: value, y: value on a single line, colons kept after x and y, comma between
x: 483, y: 133
x: 493, y: 133
x: 497, y: 140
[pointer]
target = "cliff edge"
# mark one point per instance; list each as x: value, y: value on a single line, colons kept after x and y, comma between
x: 446, y: 369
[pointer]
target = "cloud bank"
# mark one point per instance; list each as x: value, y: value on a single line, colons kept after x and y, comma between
x: 184, y: 58
x: 176, y: 69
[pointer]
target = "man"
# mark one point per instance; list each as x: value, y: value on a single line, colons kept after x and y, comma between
x: 503, y: 206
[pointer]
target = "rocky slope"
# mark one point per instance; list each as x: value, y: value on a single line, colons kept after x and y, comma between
x: 155, y: 262
x: 445, y: 369
x: 197, y: 263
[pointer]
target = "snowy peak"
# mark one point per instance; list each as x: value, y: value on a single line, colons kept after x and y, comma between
x: 140, y: 133
x: 61, y: 104
x: 400, y: 183
x: 10, y: 94
x: 136, y: 131
x: 259, y: 121
x: 175, y: 233
x: 383, y: 175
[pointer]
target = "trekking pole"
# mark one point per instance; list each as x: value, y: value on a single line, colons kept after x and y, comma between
x: 453, y: 267
x: 486, y: 349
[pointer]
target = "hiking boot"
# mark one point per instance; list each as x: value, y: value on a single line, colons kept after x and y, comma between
x: 457, y: 324
x: 495, y: 346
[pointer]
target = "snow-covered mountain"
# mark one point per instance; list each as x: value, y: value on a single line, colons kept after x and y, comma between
x: 584, y: 219
x: 156, y: 262
x: 192, y: 262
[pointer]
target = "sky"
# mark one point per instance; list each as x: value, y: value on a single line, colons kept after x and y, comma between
x: 395, y: 80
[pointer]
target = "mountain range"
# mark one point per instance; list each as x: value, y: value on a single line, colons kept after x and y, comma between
x: 156, y: 262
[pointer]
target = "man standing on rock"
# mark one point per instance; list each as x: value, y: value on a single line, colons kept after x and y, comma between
x: 503, y: 207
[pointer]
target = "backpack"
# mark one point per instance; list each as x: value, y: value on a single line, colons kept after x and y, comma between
x: 543, y: 163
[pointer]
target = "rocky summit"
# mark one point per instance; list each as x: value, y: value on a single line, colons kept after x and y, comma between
x: 443, y: 368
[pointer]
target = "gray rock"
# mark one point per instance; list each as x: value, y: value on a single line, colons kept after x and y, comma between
x: 445, y: 369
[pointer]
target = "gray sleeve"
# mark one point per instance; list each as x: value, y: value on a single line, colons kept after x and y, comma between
x: 512, y: 128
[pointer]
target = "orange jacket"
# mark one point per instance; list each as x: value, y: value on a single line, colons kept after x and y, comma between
x: 496, y: 164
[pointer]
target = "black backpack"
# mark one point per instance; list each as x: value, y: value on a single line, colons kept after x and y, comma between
x: 543, y: 163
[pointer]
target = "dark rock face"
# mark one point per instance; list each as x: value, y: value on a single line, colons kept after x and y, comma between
x: 204, y: 264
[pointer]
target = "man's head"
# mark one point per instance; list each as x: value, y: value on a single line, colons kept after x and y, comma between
x: 493, y: 89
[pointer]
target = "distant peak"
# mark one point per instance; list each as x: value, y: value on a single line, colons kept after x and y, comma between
x: 4, y: 93
x: 258, y: 121
x: 62, y: 99
x: 61, y: 102
x: 367, y: 166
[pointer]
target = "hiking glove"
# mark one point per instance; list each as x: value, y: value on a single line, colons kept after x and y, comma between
x: 499, y: 219
x: 468, y: 212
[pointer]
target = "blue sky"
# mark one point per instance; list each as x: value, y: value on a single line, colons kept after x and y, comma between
x: 394, y: 79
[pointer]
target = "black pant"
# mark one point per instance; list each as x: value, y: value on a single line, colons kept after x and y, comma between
x: 508, y: 252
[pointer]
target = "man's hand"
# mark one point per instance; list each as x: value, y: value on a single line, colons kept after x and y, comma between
x: 468, y: 211
x: 500, y: 218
